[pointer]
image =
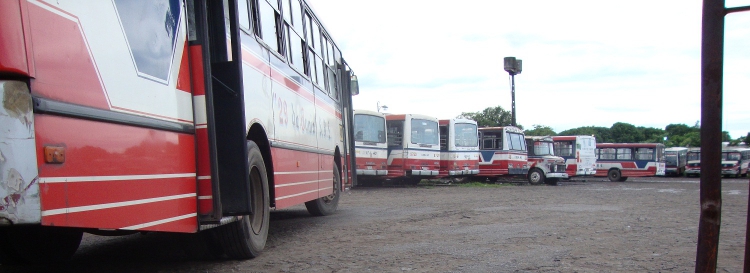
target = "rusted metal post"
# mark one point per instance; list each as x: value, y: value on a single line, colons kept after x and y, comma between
x: 712, y: 63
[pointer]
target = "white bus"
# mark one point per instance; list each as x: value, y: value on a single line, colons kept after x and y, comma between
x: 413, y: 147
x: 459, y: 148
x: 370, y: 146
x: 544, y: 165
x: 579, y: 153
x: 676, y: 160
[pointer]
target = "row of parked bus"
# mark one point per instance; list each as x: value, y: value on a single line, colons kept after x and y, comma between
x: 687, y: 161
x: 411, y: 147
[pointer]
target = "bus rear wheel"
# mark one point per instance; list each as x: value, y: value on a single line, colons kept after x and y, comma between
x: 536, y: 177
x: 246, y: 238
x: 38, y: 244
x: 327, y: 205
x: 614, y: 175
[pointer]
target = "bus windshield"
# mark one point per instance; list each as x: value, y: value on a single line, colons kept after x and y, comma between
x: 466, y: 135
x: 369, y: 128
x: 671, y: 158
x: 424, y: 132
x: 694, y: 156
x: 730, y: 156
x: 543, y: 148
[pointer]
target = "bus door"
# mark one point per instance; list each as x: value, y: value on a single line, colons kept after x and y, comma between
x: 214, y: 44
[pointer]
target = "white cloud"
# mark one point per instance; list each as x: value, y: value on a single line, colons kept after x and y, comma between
x: 585, y: 62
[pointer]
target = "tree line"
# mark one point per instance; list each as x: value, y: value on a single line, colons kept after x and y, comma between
x: 673, y: 135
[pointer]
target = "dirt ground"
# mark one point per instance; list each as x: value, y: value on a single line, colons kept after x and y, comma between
x: 642, y: 225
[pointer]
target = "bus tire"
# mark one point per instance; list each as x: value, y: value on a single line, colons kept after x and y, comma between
x: 622, y: 179
x: 246, y: 238
x: 536, y: 177
x: 614, y: 175
x: 327, y: 205
x: 25, y: 245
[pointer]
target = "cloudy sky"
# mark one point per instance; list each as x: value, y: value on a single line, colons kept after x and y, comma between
x: 585, y: 62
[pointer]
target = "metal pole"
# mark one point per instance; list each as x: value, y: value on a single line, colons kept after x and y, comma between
x: 513, y: 99
x: 712, y: 62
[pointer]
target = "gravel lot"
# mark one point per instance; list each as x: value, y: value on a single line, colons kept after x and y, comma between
x: 642, y: 225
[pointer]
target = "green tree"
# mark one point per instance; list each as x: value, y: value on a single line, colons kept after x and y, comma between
x: 602, y: 134
x: 540, y: 130
x: 490, y: 117
x: 652, y: 135
x: 625, y: 133
x: 747, y: 139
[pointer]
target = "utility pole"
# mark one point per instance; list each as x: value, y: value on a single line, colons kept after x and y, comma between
x: 513, y: 67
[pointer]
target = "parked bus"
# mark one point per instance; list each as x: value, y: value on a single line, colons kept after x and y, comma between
x: 459, y: 148
x: 370, y: 146
x: 734, y: 162
x: 125, y: 116
x: 579, y: 153
x: 413, y: 147
x: 502, y: 151
x: 676, y: 160
x: 544, y: 165
x: 693, y: 167
x: 618, y: 161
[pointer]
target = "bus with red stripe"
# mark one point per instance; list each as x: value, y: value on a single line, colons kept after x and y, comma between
x: 370, y: 146
x: 122, y: 116
x: 413, y: 147
x: 544, y: 165
x: 735, y: 161
x: 459, y: 149
x: 502, y: 151
x: 618, y: 161
x: 578, y: 152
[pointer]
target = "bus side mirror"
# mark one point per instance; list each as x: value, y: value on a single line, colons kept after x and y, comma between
x: 354, y: 85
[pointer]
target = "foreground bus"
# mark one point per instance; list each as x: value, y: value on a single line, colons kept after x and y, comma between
x: 579, y: 153
x: 618, y: 161
x: 502, y: 151
x: 693, y: 166
x: 544, y: 165
x: 413, y: 147
x: 370, y: 146
x: 121, y: 117
x: 734, y: 162
x: 676, y: 160
x: 459, y: 149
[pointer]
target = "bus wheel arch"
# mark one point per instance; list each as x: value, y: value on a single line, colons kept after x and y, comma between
x: 536, y: 176
x: 258, y: 135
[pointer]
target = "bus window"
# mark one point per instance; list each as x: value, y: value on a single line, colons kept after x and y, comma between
x: 268, y: 27
x: 644, y: 154
x: 564, y: 148
x: 607, y: 153
x: 395, y: 133
x: 624, y: 153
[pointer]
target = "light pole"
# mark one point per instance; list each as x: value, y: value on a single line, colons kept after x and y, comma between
x: 384, y: 107
x: 513, y: 67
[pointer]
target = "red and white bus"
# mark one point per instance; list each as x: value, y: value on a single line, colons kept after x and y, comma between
x: 676, y: 160
x: 693, y: 167
x: 370, y: 146
x: 735, y: 161
x: 170, y: 116
x: 502, y: 151
x: 618, y: 161
x: 579, y: 153
x: 413, y: 147
x: 459, y: 148
x: 544, y: 165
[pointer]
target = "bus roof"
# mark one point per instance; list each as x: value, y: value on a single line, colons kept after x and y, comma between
x: 403, y: 117
x: 676, y: 149
x: 569, y: 138
x: 368, y: 112
x: 456, y: 120
x: 629, y: 145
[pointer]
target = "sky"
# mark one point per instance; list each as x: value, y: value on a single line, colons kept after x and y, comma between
x: 585, y: 62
